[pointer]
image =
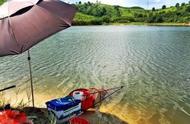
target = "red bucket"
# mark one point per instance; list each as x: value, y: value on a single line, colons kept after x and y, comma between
x: 78, y: 120
x: 13, y: 117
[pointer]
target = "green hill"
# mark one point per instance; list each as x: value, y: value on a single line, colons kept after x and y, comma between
x: 97, y: 13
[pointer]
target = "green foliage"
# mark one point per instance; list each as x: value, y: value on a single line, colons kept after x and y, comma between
x: 164, y: 7
x: 136, y: 7
x: 183, y: 4
x: 83, y: 19
x: 177, y: 5
x: 188, y: 8
x: 97, y: 13
x: 153, y: 9
x: 1, y: 2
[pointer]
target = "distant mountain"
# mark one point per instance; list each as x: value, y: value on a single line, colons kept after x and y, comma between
x: 97, y: 14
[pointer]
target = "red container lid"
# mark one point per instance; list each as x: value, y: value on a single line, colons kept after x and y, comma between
x: 79, y: 120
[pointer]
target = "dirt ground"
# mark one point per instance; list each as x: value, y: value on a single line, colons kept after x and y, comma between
x: 40, y: 116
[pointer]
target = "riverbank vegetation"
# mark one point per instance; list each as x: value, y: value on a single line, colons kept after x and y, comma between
x: 98, y: 14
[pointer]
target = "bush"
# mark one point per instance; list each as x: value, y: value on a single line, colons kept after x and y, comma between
x: 106, y: 19
x: 153, y: 9
x: 97, y: 22
x: 177, y: 5
x: 188, y: 8
x: 183, y: 4
x: 164, y: 7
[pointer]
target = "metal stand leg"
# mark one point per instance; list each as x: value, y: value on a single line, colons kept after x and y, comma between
x: 31, y: 79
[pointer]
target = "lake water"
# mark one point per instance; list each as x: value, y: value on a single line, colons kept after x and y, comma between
x: 153, y: 63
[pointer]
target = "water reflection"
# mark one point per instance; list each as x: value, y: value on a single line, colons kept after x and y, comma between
x: 152, y: 62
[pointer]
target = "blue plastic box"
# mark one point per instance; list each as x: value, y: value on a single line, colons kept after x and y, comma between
x: 64, y: 108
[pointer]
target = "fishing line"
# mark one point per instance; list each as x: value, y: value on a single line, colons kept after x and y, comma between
x: 104, y: 98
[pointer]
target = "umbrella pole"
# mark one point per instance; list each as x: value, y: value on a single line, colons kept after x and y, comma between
x: 31, y: 79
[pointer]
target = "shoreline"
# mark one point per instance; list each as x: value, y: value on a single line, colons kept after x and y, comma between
x: 141, y: 24
x: 154, y: 24
x: 41, y: 116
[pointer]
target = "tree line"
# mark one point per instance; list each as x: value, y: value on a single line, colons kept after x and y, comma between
x: 103, y: 14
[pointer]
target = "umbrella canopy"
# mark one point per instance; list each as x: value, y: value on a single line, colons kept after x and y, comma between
x: 26, y: 23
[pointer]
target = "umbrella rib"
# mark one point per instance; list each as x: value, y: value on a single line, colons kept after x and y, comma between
x: 13, y: 35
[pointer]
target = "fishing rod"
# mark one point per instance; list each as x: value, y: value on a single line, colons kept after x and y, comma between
x: 7, y: 88
x: 118, y: 89
x: 115, y: 88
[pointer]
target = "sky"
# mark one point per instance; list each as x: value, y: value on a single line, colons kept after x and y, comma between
x: 141, y: 3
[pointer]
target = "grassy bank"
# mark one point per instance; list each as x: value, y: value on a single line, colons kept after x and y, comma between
x: 151, y: 24
x: 138, y: 24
